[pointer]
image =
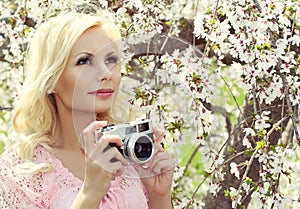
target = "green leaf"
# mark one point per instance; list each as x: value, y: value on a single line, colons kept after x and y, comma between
x: 1, y: 147
x: 260, y: 144
x: 248, y: 180
x: 227, y: 193
x: 206, y: 174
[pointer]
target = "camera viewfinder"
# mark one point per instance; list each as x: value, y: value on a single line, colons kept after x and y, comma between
x: 143, y: 127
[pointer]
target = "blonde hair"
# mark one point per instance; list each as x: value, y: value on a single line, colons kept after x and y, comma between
x: 49, y: 49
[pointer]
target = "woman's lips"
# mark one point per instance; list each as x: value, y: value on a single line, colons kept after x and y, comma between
x: 102, y: 92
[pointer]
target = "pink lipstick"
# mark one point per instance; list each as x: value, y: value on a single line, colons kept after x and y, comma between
x: 102, y: 93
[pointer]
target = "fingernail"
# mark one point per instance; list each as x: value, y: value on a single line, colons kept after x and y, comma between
x: 104, y: 122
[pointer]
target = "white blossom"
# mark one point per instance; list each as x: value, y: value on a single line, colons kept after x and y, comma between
x: 234, y: 170
x: 262, y: 121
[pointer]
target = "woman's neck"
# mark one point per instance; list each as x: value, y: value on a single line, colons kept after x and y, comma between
x: 69, y: 127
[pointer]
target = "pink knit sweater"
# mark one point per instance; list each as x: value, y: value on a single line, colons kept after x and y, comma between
x: 58, y: 189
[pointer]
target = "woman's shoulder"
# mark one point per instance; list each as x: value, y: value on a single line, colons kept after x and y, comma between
x: 33, y: 188
x: 44, y: 155
x: 13, y: 169
x: 10, y: 156
x: 18, y: 189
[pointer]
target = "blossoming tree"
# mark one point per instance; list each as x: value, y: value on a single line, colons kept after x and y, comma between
x: 220, y: 77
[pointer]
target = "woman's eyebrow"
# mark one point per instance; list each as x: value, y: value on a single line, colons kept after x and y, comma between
x: 111, y: 53
x: 83, y: 52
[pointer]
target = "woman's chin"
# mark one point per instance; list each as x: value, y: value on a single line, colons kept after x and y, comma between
x: 102, y: 110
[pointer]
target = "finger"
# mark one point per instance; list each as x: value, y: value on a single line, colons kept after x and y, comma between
x: 147, y: 169
x: 143, y: 172
x: 157, y: 148
x: 108, y: 142
x: 117, y: 168
x: 102, y: 144
x: 162, y: 160
x: 87, y: 136
x: 163, y: 166
x: 94, y: 126
x: 107, y: 139
x: 103, y: 161
x: 97, y: 151
x: 158, y: 135
x: 113, y: 153
x: 114, y: 168
x: 158, y: 157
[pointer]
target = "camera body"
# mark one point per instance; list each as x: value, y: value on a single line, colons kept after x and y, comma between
x: 137, y: 137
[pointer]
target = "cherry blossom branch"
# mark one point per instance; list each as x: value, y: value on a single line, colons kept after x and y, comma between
x: 5, y: 108
x: 283, y: 77
x: 288, y: 101
x: 231, y: 93
x: 207, y: 43
x: 210, y: 173
x: 296, y: 109
x: 189, y: 162
x: 286, y: 92
x: 274, y: 128
x: 194, y: 37
x: 293, y: 26
x: 257, y: 5
x: 225, y: 114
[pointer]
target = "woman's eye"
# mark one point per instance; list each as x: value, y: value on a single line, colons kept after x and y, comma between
x: 112, y: 60
x: 84, y: 60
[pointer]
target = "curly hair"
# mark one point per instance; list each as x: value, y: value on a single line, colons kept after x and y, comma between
x: 49, y: 49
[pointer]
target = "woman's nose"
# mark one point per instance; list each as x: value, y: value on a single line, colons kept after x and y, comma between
x: 104, y: 74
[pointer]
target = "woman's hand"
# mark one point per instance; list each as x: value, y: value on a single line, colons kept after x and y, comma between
x: 102, y: 164
x: 157, y: 175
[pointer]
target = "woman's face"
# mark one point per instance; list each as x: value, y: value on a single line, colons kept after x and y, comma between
x: 92, y: 74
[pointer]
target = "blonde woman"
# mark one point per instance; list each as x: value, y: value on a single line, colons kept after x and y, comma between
x: 73, y: 77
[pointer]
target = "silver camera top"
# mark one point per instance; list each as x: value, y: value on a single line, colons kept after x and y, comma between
x: 137, y: 126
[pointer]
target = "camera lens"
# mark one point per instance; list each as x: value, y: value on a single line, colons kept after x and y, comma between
x: 139, y: 148
x: 143, y: 148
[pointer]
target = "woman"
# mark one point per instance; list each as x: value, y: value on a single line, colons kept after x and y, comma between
x: 73, y: 76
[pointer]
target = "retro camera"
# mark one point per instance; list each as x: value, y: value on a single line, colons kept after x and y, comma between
x: 137, y: 137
